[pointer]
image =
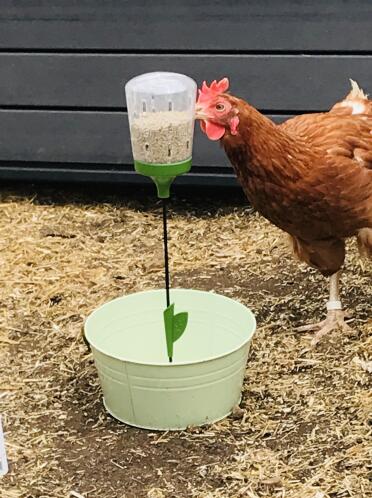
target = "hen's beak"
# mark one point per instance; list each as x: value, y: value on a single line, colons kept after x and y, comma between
x: 200, y: 112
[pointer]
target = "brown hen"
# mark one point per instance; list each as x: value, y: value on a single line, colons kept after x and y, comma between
x: 311, y: 176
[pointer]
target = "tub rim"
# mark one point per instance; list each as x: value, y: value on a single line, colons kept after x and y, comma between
x: 175, y: 364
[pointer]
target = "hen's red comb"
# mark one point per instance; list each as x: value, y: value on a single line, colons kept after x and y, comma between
x: 207, y: 92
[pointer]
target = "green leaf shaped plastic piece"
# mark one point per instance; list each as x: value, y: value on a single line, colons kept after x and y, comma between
x: 168, y: 323
x: 175, y: 326
x: 179, y: 325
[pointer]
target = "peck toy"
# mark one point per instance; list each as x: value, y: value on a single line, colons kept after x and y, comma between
x: 161, y: 108
x: 147, y: 380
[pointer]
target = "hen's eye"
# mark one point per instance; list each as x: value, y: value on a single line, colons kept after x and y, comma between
x: 220, y: 107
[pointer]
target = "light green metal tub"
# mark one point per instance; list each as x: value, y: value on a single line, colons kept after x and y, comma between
x: 204, y: 382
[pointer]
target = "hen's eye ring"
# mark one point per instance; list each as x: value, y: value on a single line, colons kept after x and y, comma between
x: 220, y: 107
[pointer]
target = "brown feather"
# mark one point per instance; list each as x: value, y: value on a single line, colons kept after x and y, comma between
x: 310, y: 176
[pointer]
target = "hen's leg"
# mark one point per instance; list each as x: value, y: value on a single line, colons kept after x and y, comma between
x: 335, y: 314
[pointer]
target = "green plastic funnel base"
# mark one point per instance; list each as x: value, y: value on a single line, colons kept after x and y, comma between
x: 140, y: 386
x: 163, y: 174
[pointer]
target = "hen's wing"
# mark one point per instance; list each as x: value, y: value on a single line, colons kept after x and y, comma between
x: 344, y: 135
x: 343, y: 132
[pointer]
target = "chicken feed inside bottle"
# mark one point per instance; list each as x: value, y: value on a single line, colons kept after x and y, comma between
x: 161, y: 117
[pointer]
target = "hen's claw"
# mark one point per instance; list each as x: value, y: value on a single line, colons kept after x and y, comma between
x: 335, y: 320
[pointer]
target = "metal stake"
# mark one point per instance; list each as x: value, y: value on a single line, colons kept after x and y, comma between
x: 166, y: 256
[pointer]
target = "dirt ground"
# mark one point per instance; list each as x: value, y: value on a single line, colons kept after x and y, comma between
x: 304, y: 429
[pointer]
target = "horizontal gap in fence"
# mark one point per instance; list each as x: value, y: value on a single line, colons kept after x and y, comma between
x: 123, y: 110
x: 73, y: 173
x: 110, y: 51
x: 68, y: 108
x: 107, y: 167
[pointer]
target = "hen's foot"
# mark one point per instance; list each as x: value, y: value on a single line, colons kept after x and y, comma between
x: 335, y: 320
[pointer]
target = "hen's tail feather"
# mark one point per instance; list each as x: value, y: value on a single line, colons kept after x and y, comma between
x: 356, y: 102
x: 356, y: 91
x: 364, y: 239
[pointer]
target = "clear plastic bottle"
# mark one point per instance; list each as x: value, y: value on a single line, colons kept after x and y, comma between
x: 161, y: 109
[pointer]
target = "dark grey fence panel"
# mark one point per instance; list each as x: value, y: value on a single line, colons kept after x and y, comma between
x: 82, y: 137
x: 217, y: 25
x: 275, y: 82
x: 63, y: 65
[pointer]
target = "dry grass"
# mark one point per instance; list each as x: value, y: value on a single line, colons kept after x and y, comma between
x: 304, y: 428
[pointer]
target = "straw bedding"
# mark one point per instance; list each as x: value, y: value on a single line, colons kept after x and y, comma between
x: 303, y: 429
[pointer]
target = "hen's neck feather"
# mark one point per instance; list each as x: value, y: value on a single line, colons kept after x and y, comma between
x: 261, y: 149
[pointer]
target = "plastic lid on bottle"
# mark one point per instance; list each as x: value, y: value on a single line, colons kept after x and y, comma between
x: 159, y: 92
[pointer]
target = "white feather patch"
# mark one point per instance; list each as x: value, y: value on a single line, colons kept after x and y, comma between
x: 357, y: 107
